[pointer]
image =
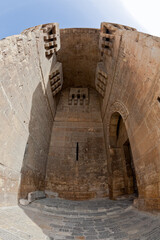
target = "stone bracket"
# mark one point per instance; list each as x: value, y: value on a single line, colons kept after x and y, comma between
x: 101, y: 79
x: 56, y: 78
x: 51, y: 38
x: 107, y: 36
x: 78, y: 96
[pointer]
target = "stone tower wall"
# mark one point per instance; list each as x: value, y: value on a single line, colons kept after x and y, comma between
x: 79, y: 55
x: 77, y: 122
x: 133, y: 90
x: 27, y: 110
x: 127, y: 79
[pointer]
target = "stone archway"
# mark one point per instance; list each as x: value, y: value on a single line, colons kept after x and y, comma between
x: 122, y: 177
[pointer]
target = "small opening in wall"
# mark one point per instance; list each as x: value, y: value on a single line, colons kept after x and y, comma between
x: 106, y: 47
x: 77, y: 151
x: 49, y: 47
x: 55, y: 74
x: 158, y: 99
x: 108, y: 39
x: 84, y: 96
x: 52, y: 30
x: 72, y: 96
x: 78, y: 96
x: 107, y: 31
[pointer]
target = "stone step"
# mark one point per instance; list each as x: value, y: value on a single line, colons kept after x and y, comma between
x: 100, y: 219
x: 70, y: 214
x: 72, y: 211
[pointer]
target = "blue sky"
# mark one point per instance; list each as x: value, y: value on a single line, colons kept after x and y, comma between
x: 17, y: 15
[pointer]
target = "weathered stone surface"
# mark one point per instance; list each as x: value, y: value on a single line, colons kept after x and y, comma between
x: 24, y: 202
x: 27, y: 110
x: 127, y: 79
x: 98, y: 219
x: 79, y: 55
x: 133, y: 71
x: 32, y: 196
x: 82, y: 124
x: 51, y: 194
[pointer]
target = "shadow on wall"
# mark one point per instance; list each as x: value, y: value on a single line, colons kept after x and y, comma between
x: 122, y: 177
x: 36, y: 150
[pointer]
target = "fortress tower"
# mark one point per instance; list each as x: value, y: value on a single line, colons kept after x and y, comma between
x: 80, y: 114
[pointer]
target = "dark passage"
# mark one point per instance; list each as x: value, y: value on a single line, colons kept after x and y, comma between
x: 130, y: 165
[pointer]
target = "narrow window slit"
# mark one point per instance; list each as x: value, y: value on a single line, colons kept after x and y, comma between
x: 77, y: 151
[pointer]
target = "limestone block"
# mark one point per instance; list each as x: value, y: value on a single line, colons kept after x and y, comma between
x: 24, y: 202
x: 51, y: 194
x: 32, y: 196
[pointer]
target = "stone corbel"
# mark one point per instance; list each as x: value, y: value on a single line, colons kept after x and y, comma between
x: 51, y: 38
x: 107, y: 36
x: 56, y: 78
x: 101, y: 79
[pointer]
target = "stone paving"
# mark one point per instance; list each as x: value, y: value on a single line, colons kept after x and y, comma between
x: 103, y: 219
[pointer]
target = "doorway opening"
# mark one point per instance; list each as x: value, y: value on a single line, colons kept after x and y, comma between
x: 122, y: 176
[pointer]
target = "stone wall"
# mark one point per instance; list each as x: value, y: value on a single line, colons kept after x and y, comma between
x: 27, y: 111
x: 134, y: 83
x: 128, y: 81
x: 80, y: 123
x: 79, y: 55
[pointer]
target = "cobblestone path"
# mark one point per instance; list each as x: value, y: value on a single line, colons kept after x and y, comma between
x: 102, y: 219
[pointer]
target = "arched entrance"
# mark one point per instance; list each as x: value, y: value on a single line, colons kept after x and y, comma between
x: 122, y: 177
